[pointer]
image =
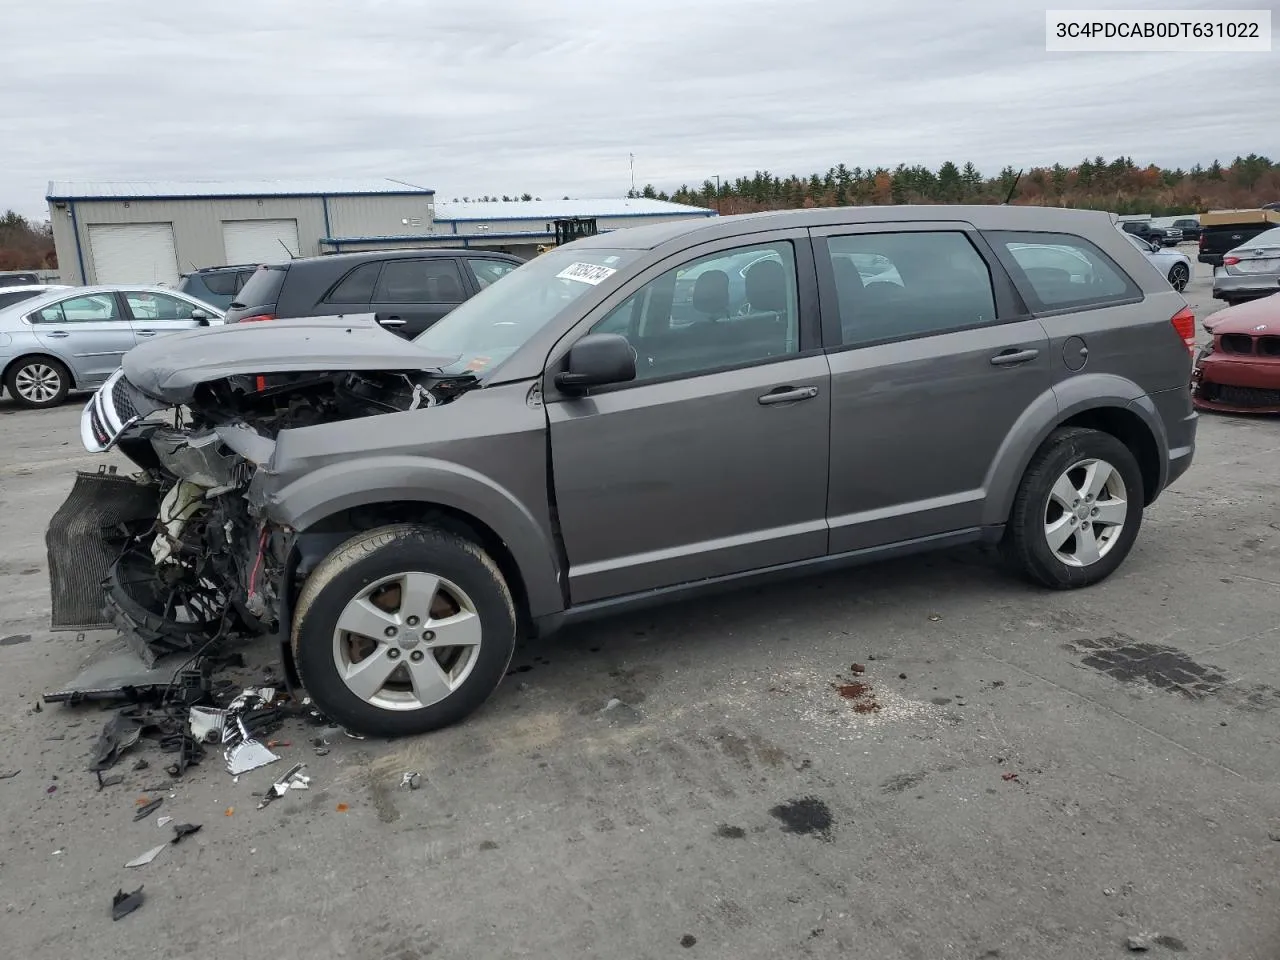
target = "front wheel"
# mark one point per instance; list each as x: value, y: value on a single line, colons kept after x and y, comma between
x: 1179, y: 274
x: 402, y: 630
x: 1077, y: 510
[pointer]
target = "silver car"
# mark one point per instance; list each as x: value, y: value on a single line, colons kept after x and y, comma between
x: 1249, y: 271
x: 71, y: 338
x: 1173, y: 266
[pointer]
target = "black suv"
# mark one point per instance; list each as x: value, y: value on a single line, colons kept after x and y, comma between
x: 216, y: 286
x: 406, y: 290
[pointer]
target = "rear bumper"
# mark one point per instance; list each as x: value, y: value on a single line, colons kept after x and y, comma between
x: 1214, y: 259
x: 1226, y: 286
x: 1178, y: 416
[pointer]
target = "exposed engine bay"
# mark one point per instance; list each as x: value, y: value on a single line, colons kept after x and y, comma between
x: 176, y: 556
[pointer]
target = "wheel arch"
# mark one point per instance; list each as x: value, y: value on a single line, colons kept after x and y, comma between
x: 330, y: 504
x: 43, y: 355
x: 1104, y: 402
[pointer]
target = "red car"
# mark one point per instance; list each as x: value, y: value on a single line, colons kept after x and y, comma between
x: 1239, y: 372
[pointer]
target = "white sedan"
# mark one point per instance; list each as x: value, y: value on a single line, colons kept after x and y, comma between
x: 1174, y: 266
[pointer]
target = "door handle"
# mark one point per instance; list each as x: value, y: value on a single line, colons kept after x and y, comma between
x: 145, y: 333
x: 1008, y: 358
x: 392, y: 322
x: 787, y: 395
x: 57, y: 334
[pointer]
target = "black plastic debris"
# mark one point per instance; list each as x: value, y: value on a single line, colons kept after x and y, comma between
x: 123, y: 904
x: 184, y: 830
x: 147, y: 809
x: 9, y: 774
x: 111, y: 781
x: 119, y: 734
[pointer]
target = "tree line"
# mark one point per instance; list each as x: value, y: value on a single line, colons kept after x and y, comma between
x: 25, y: 245
x: 1120, y: 186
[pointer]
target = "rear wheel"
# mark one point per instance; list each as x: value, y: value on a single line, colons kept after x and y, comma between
x: 36, y: 382
x: 1179, y: 274
x: 403, y: 630
x: 1077, y: 510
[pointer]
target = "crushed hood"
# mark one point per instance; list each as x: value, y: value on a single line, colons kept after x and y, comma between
x: 170, y: 368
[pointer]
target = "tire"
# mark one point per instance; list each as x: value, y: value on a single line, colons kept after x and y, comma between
x: 1038, y: 509
x: 37, y: 382
x: 426, y: 687
x: 1179, y: 276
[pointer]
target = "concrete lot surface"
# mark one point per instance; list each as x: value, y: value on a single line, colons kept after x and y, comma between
x: 1020, y: 774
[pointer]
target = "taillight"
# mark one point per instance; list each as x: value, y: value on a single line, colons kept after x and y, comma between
x: 261, y: 383
x: 257, y: 318
x: 1202, y: 239
x: 1184, y: 321
x: 1230, y: 261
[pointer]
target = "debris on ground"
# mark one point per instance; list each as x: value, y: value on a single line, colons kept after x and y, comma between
x: 123, y: 904
x: 142, y: 764
x: 858, y: 692
x: 1007, y: 777
x: 411, y: 780
x: 293, y: 779
x: 147, y: 808
x: 143, y: 859
x: 184, y: 830
x: 342, y: 808
x: 245, y: 753
x: 15, y: 639
x: 1138, y: 943
x: 9, y: 774
x: 206, y: 724
x: 616, y: 711
x: 229, y: 812
x: 858, y: 669
x: 162, y: 822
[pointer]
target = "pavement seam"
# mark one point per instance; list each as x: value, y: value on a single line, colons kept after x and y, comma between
x: 1116, y: 713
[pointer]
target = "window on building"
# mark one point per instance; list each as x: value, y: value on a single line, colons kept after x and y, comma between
x: 916, y: 284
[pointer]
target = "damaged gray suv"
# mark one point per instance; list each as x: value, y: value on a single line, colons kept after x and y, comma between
x: 626, y: 419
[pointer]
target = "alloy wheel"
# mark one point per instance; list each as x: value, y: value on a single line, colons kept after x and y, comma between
x: 407, y: 641
x: 1085, y: 513
x: 1179, y: 276
x: 37, y: 383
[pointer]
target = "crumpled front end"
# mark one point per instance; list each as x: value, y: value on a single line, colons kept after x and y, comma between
x: 1238, y: 374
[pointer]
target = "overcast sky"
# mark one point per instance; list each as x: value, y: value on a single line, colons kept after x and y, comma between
x: 551, y: 96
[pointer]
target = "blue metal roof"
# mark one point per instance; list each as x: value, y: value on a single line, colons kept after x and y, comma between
x: 227, y: 189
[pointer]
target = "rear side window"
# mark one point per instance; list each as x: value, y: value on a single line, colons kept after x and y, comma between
x: 489, y: 271
x: 223, y: 284
x: 1056, y: 271
x: 263, y: 288
x: 356, y: 286
x: 419, y: 281
x: 892, y: 286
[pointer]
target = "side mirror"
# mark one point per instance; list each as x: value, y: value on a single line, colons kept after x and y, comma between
x: 598, y: 359
x: 200, y: 317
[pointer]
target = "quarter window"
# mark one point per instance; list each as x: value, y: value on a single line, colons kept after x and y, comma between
x: 489, y: 271
x: 419, y: 281
x: 220, y: 284
x: 88, y: 309
x: 145, y: 305
x: 892, y: 286
x: 1059, y: 270
x: 728, y: 309
x: 356, y: 286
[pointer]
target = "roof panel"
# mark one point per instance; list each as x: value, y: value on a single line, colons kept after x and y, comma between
x: 155, y: 189
x: 449, y: 210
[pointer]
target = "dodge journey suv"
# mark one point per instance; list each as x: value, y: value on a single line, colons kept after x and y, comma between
x: 630, y: 418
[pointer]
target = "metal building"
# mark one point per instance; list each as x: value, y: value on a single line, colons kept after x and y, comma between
x: 151, y: 232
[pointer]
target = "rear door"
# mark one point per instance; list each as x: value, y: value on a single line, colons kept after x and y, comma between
x: 933, y: 360
x: 411, y: 295
x: 158, y: 314
x: 91, y: 331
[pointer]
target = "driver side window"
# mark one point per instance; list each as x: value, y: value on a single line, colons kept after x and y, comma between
x: 728, y: 309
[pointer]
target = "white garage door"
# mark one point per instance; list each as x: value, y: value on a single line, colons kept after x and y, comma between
x: 133, y: 252
x: 259, y: 241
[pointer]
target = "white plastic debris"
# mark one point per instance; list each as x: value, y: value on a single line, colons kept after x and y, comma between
x: 178, y: 506
x: 164, y: 821
x: 147, y: 857
x: 412, y: 780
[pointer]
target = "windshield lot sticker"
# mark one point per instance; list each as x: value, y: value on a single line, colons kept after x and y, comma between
x: 586, y: 273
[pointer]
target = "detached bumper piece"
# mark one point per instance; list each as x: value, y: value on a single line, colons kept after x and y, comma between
x: 84, y: 539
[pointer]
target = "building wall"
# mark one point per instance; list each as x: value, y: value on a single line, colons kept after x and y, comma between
x: 380, y: 216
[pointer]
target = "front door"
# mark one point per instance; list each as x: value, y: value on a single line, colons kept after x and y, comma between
x: 89, y: 331
x: 714, y: 460
x: 932, y: 364
x: 157, y: 314
x: 411, y: 295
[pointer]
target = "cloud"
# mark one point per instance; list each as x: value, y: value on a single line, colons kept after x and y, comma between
x: 510, y: 95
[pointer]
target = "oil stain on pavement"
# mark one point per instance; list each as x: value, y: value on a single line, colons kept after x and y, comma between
x: 806, y: 815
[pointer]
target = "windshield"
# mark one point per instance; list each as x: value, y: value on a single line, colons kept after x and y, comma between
x: 497, y: 321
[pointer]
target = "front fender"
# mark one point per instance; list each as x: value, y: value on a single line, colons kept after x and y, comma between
x: 1050, y: 410
x: 372, y: 480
